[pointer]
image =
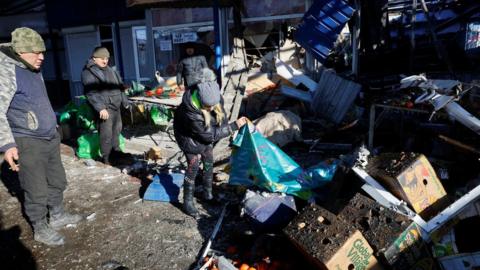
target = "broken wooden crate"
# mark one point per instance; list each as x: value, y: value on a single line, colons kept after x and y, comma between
x: 412, y: 179
x: 329, y: 242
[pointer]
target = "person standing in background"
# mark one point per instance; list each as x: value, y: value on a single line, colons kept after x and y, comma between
x: 189, y: 69
x: 104, y: 90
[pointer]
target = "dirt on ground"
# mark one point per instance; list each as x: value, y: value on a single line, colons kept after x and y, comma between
x: 120, y: 231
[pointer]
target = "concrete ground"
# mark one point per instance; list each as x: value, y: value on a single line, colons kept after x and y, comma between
x: 121, y: 229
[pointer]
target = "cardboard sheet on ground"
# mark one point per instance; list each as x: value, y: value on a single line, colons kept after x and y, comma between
x: 257, y: 161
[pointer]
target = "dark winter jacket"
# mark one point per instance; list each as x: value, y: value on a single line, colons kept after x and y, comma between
x: 190, y: 70
x: 103, y: 87
x: 25, y: 110
x: 189, y: 126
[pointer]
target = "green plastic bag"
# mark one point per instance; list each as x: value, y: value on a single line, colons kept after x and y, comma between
x: 83, y: 114
x: 89, y: 145
x: 161, y: 116
x: 67, y: 112
x: 257, y: 161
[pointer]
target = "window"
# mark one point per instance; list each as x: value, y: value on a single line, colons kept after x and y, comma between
x: 140, y: 45
x: 106, y: 40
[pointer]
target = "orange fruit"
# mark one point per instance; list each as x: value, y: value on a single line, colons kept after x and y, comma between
x: 244, y: 266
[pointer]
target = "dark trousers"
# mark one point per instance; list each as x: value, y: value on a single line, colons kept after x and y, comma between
x: 42, y: 176
x: 193, y: 161
x: 109, y: 131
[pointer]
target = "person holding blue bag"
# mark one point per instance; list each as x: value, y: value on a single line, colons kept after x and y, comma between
x: 198, y: 123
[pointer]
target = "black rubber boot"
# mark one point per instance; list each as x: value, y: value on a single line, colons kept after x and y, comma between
x: 44, y: 233
x: 188, y: 205
x: 106, y: 159
x: 59, y: 218
x: 207, y: 187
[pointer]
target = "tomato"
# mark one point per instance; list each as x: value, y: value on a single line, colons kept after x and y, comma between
x: 149, y: 93
x: 159, y: 91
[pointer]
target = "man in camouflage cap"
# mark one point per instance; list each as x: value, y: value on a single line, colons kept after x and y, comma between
x: 28, y: 135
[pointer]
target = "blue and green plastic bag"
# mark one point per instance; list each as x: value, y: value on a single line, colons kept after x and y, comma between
x: 257, y: 161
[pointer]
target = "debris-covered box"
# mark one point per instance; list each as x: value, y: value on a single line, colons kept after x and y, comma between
x: 380, y: 225
x: 330, y: 242
x: 411, y: 178
x: 394, y: 238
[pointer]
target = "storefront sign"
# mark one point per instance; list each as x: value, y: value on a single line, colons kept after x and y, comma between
x: 180, y: 37
x: 165, y: 45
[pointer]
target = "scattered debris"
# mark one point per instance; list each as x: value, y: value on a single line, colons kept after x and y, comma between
x: 154, y: 153
x: 268, y: 211
x: 280, y: 127
x: 89, y: 162
x: 91, y: 217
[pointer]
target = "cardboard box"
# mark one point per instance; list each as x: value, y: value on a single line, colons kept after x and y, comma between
x: 411, y: 178
x: 409, y: 251
x: 379, y: 225
x: 329, y: 242
x: 355, y: 253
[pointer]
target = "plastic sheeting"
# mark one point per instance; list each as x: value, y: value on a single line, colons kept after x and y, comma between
x: 257, y: 161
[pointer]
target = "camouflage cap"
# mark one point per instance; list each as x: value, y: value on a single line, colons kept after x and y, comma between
x: 27, y: 40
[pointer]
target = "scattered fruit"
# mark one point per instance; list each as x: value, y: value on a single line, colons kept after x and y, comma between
x: 244, y: 266
x: 149, y: 93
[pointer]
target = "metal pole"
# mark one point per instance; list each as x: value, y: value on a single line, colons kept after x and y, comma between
x: 355, y: 38
x: 118, y: 47
x: 216, y: 28
x: 150, y: 50
x: 412, y: 34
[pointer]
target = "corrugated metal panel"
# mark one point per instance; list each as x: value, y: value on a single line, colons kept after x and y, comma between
x: 321, y: 25
x: 333, y: 97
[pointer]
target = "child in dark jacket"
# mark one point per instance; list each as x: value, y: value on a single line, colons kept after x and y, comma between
x: 198, y: 123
